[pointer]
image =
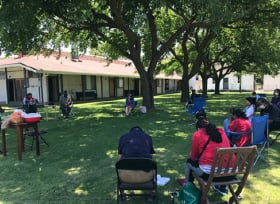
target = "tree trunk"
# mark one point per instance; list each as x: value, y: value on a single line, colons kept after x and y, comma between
x: 217, y: 87
x: 204, y: 87
x: 185, y: 94
x: 147, y: 91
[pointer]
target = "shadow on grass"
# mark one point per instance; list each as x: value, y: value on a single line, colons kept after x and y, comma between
x: 79, y: 165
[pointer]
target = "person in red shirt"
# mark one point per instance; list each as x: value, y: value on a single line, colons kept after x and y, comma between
x: 240, y: 123
x: 30, y: 103
x: 205, y: 141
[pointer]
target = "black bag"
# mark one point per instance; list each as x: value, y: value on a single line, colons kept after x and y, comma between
x: 194, y: 163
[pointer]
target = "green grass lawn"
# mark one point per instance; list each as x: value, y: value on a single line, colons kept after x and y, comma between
x: 78, y: 167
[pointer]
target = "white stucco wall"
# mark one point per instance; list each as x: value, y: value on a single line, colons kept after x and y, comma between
x: 247, y: 82
x: 3, y: 91
x: 98, y: 86
x: 172, y: 85
x: 271, y: 82
x: 105, y: 81
x: 73, y: 83
x: 34, y: 88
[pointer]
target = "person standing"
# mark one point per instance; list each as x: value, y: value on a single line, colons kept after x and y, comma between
x: 65, y: 103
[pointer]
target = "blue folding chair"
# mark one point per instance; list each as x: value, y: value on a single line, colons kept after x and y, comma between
x: 198, y: 106
x: 259, y: 136
x: 232, y: 135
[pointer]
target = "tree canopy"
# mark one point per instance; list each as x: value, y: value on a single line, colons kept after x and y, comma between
x: 143, y: 31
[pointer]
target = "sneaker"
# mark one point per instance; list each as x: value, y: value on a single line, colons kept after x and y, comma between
x: 221, y: 190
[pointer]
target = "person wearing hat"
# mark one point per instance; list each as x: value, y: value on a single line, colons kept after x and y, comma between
x: 250, y: 107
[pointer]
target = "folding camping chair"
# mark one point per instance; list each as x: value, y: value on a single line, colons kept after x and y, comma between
x: 226, y: 175
x: 32, y: 134
x: 136, y: 174
x: 197, y: 107
x: 232, y: 135
x: 259, y: 135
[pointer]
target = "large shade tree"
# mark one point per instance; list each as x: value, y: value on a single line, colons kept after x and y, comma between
x: 209, y: 23
x: 142, y: 31
x: 130, y: 27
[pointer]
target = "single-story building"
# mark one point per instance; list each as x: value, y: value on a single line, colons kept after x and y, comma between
x: 84, y: 78
x: 230, y: 82
x: 271, y: 82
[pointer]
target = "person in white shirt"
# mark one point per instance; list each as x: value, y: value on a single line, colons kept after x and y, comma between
x: 250, y: 107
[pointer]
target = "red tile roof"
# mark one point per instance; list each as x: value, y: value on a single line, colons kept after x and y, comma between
x: 85, y: 65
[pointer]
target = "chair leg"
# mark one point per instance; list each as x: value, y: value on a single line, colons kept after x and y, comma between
x: 118, y: 195
x: 41, y: 137
x: 234, y: 196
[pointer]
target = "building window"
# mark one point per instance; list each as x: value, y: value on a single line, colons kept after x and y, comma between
x: 159, y: 83
x: 90, y: 82
x: 32, y: 75
x: 166, y: 84
x: 2, y: 75
x: 120, y: 83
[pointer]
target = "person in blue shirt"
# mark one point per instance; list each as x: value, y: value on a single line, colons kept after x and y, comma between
x: 135, y: 143
x: 129, y: 104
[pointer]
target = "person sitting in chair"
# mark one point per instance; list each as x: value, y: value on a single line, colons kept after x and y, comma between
x: 240, y: 123
x: 129, y: 104
x: 135, y: 143
x: 30, y: 103
x: 205, y: 141
x: 276, y: 97
x: 273, y: 113
x: 250, y: 107
x: 190, y: 102
x: 65, y: 103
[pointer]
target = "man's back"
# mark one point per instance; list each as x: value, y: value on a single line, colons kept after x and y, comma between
x: 136, y: 143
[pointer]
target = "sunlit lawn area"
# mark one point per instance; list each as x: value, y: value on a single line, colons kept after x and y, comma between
x: 78, y: 167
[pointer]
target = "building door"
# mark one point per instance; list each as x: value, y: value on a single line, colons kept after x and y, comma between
x: 136, y: 87
x: 53, y: 93
x: 112, y: 87
x: 16, y: 90
x: 225, y: 84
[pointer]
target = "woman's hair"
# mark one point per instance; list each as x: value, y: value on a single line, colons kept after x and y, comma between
x: 210, y: 128
x: 276, y: 90
x: 238, y: 113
